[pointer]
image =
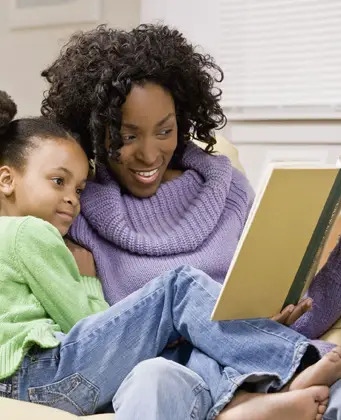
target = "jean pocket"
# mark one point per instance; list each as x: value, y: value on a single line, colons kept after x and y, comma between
x: 74, y: 394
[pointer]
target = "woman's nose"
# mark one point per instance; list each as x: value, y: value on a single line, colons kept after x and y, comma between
x: 147, y: 152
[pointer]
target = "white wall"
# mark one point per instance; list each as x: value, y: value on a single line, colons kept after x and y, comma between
x: 25, y: 53
x: 194, y: 18
x: 262, y: 142
x: 258, y: 142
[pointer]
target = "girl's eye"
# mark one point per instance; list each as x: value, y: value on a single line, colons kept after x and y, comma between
x: 79, y: 191
x: 58, y: 181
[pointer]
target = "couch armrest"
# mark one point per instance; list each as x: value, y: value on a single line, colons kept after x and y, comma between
x: 225, y: 147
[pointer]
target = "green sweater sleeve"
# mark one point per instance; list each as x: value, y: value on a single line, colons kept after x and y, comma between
x: 94, y: 291
x: 51, y: 272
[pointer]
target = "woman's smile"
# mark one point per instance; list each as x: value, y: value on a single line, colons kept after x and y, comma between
x: 146, y: 177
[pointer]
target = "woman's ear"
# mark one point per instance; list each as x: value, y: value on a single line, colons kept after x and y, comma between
x: 7, y: 178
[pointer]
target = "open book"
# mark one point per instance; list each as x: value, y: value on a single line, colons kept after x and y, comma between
x: 279, y: 249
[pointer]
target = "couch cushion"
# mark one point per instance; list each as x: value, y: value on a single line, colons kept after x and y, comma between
x: 20, y: 410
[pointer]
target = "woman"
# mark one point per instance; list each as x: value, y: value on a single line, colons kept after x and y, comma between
x: 137, y: 99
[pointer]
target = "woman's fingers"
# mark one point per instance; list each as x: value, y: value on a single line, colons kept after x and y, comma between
x: 301, y: 308
x: 291, y: 313
x: 284, y: 314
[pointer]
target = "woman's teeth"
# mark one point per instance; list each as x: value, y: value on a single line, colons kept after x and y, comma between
x: 147, y: 174
x: 147, y: 177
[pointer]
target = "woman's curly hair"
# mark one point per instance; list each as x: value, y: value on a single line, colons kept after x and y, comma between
x: 95, y: 72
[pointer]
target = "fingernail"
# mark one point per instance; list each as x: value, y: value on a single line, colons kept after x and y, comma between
x: 291, y: 308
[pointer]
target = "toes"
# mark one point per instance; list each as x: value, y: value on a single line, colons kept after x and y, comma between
x: 337, y: 350
x: 322, y: 409
x: 321, y: 394
x: 334, y: 355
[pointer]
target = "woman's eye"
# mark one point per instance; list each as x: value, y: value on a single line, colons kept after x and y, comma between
x: 79, y: 191
x: 58, y: 181
x: 165, y: 132
x: 127, y: 138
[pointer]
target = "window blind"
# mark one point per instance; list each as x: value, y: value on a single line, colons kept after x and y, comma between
x: 281, y: 58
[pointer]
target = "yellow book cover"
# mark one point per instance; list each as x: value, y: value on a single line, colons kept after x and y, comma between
x: 281, y: 243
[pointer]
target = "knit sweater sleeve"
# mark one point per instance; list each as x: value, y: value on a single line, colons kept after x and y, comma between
x: 81, y: 233
x: 50, y: 271
x: 325, y: 290
x: 245, y: 195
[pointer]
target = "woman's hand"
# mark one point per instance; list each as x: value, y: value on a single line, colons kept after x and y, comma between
x: 291, y: 313
x: 84, y: 259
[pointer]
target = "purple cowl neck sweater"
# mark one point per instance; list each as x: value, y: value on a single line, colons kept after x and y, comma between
x: 195, y: 219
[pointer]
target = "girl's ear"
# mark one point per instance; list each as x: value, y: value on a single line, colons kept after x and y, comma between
x: 7, y: 183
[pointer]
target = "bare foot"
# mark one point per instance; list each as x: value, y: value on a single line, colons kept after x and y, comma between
x: 325, y: 372
x: 306, y: 404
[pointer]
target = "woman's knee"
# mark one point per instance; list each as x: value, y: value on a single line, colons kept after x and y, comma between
x: 162, y: 386
x: 157, y: 369
x: 163, y: 372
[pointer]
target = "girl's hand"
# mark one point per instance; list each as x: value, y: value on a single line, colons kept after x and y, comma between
x: 83, y: 257
x: 291, y: 313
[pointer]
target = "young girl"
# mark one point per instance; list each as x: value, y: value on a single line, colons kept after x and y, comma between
x: 61, y: 345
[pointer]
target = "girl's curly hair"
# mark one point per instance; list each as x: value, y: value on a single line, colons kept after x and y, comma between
x: 95, y: 72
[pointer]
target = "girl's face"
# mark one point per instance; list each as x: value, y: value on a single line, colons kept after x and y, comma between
x: 149, y: 132
x: 49, y: 186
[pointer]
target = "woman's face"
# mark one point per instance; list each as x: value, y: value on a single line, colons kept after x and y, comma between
x: 149, y: 132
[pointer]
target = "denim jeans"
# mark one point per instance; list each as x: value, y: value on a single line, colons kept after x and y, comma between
x: 171, y: 391
x: 334, y: 406
x: 94, y: 362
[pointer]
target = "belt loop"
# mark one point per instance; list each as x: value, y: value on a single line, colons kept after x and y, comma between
x: 6, y: 388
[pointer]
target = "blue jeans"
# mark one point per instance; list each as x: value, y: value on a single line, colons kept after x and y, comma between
x: 334, y: 406
x: 171, y: 391
x: 95, y: 361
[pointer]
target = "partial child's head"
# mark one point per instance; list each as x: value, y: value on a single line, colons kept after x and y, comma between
x: 42, y: 168
x: 135, y: 98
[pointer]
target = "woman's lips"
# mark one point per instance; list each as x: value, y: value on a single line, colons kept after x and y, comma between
x: 146, y: 177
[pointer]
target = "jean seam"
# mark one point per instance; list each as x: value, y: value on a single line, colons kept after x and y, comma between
x: 298, y: 345
x: 300, y: 349
x: 236, y: 381
x: 221, y: 403
x: 201, y: 286
x: 35, y: 393
x: 15, y: 379
x: 194, y: 410
x: 59, y: 397
x: 271, y: 333
x: 161, y: 288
